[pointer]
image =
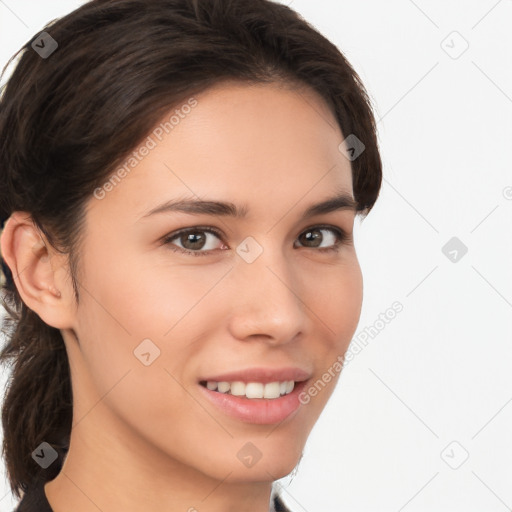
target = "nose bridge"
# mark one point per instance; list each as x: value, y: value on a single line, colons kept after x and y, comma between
x: 268, y: 302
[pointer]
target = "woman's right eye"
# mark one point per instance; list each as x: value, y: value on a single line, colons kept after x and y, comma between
x: 193, y: 236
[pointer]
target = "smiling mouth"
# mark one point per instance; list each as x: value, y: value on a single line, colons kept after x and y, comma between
x: 251, y: 390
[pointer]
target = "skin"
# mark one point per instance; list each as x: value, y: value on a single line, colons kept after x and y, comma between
x: 147, y: 430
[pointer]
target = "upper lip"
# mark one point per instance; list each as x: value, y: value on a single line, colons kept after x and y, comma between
x: 261, y: 374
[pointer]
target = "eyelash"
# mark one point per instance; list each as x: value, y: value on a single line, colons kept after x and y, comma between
x: 343, y: 238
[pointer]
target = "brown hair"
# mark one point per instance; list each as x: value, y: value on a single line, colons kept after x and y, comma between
x: 68, y: 119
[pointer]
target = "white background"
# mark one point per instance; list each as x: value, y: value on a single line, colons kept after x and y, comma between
x: 440, y: 372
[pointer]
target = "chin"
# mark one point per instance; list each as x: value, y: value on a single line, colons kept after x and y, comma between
x: 271, y: 461
x: 263, y: 472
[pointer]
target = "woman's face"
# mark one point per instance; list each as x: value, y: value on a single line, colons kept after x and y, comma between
x: 260, y: 302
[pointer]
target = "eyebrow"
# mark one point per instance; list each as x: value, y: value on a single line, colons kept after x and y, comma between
x: 341, y: 201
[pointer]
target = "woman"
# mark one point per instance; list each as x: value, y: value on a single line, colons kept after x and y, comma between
x: 137, y: 135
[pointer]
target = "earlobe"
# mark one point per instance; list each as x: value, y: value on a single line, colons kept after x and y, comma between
x: 32, y: 262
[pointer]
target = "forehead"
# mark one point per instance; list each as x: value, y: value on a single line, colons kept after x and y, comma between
x: 266, y: 143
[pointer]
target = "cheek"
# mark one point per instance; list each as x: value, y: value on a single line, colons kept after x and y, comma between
x: 126, y: 309
x: 337, y: 301
x: 131, y: 300
x: 149, y: 297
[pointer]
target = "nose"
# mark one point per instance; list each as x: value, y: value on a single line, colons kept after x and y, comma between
x: 267, y: 302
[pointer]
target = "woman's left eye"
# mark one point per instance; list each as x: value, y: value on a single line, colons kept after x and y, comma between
x: 194, y: 241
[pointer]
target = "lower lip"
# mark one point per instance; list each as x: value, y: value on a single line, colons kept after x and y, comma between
x: 263, y: 411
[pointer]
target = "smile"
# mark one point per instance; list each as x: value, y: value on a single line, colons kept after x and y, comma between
x: 269, y: 390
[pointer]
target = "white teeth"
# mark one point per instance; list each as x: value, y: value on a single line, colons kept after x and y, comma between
x: 253, y: 389
x: 238, y: 388
x: 223, y: 387
x: 272, y: 390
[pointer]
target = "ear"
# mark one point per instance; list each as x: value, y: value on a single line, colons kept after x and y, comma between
x: 40, y: 272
